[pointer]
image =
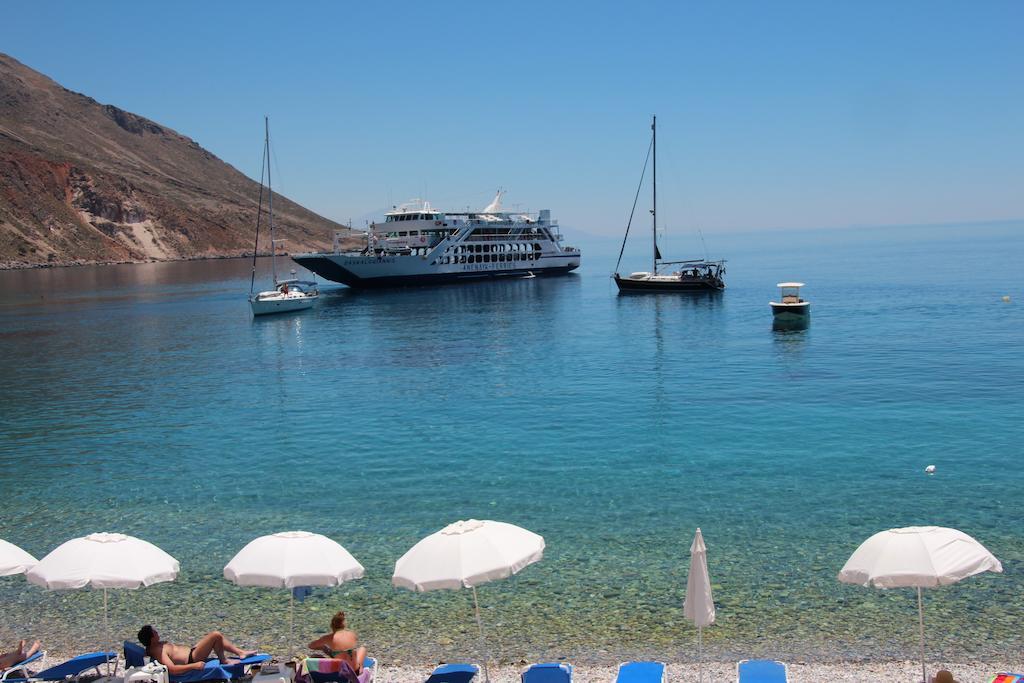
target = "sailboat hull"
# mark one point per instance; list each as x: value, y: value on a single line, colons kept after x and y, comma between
x: 666, y: 284
x: 282, y: 305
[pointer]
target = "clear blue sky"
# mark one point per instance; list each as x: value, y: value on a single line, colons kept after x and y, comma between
x: 771, y: 114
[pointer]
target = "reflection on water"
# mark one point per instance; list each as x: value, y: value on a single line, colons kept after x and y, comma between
x: 793, y: 324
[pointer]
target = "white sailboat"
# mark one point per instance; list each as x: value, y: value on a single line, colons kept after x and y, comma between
x: 287, y: 295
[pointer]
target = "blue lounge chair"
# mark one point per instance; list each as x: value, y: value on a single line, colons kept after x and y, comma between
x: 761, y: 671
x: 553, y: 672
x: 73, y: 668
x: 135, y: 655
x: 324, y: 670
x: 453, y: 673
x: 641, y: 672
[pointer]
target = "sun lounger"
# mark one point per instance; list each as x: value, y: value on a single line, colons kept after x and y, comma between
x: 1007, y: 678
x: 453, y: 673
x: 641, y: 672
x: 73, y: 668
x: 761, y: 671
x: 135, y: 656
x: 547, y: 673
x: 324, y: 670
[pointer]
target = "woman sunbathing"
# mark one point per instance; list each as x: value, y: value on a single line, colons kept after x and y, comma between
x: 9, y: 659
x: 341, y: 644
x: 180, y: 659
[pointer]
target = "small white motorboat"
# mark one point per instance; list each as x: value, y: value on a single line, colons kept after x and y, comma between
x: 791, y: 308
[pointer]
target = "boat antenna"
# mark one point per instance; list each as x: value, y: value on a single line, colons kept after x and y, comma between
x: 259, y: 211
x: 639, y: 186
x: 270, y: 203
x: 703, y: 243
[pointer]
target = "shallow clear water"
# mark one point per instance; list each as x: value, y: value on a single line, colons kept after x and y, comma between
x: 145, y: 399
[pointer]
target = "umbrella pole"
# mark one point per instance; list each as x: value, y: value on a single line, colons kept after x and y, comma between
x: 700, y: 651
x: 291, y: 618
x: 106, y: 627
x: 483, y: 647
x: 920, y: 617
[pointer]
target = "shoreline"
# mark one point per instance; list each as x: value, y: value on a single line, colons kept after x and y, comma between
x: 685, y: 672
x: 139, y: 262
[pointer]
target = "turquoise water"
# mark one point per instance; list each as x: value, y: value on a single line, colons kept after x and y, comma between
x: 144, y: 399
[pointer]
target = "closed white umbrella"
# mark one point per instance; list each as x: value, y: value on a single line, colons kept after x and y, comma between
x: 918, y: 557
x: 466, y: 554
x: 699, y: 606
x: 14, y: 560
x: 289, y: 559
x: 104, y: 560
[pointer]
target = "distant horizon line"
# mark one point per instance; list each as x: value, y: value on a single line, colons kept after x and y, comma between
x: 831, y: 228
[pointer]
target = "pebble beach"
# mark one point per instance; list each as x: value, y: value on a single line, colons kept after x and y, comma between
x: 713, y: 672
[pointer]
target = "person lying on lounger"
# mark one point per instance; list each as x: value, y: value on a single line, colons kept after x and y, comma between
x: 9, y: 659
x: 179, y: 659
x: 341, y: 644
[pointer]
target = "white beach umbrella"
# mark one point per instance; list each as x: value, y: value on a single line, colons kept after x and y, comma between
x: 917, y: 557
x: 699, y: 606
x: 466, y: 554
x: 290, y: 559
x: 104, y: 560
x: 14, y: 560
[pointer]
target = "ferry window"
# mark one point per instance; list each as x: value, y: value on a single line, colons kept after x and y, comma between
x: 536, y: 247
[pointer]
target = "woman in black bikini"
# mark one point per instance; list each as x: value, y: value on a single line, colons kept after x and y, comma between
x: 180, y: 660
x: 341, y: 644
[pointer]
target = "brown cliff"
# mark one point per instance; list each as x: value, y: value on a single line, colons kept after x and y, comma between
x: 83, y: 182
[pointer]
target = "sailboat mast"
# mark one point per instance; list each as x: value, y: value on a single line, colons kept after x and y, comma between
x: 270, y: 200
x: 654, y: 190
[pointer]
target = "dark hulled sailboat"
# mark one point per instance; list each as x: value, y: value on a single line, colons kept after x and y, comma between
x: 695, y: 275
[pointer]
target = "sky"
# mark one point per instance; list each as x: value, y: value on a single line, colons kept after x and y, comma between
x: 795, y: 115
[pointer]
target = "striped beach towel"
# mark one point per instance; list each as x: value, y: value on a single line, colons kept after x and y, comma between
x: 336, y: 669
x: 1007, y: 678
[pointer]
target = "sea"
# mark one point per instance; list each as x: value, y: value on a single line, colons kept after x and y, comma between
x: 145, y: 399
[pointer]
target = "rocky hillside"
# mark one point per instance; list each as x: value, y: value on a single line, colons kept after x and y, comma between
x: 84, y: 182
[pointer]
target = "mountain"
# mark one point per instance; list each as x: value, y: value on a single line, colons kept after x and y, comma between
x: 84, y: 182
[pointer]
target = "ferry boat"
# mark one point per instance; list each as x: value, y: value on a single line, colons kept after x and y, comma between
x: 419, y: 245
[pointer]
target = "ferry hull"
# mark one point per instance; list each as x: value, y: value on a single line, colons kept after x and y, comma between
x: 335, y: 268
x: 631, y: 286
